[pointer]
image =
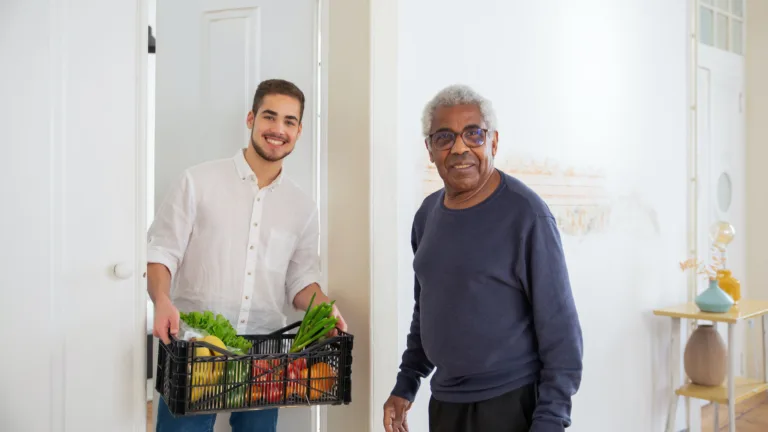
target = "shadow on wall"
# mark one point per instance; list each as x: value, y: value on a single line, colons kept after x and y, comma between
x: 578, y: 198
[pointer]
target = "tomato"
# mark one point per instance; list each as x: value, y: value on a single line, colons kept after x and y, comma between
x: 296, y: 385
x: 295, y: 368
x: 273, y: 393
x: 264, y: 370
x: 268, y: 382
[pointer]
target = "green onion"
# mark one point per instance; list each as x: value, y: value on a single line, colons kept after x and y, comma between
x: 317, y: 323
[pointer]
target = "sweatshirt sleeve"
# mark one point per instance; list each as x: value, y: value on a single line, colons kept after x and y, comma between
x: 556, y: 322
x: 414, y: 365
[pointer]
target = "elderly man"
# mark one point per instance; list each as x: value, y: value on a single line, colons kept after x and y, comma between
x: 494, y: 314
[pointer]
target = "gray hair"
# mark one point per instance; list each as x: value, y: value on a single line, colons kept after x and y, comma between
x: 457, y: 94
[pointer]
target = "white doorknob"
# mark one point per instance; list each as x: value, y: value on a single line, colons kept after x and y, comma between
x: 123, y: 270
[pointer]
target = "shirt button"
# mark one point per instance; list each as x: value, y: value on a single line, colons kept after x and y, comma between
x: 246, y: 297
x: 251, y: 247
x: 242, y: 321
x: 255, y: 224
x: 258, y: 199
x: 249, y: 273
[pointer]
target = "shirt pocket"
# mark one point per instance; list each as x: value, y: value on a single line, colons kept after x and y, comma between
x: 279, y: 250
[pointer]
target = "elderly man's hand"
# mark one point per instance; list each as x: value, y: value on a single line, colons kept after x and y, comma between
x: 395, y: 414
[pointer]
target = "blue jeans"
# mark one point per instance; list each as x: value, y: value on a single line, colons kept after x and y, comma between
x: 247, y: 421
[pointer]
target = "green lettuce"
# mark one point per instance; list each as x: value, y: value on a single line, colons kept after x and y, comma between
x: 217, y: 326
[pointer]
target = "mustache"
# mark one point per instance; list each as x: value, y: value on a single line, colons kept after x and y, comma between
x: 464, y: 159
x: 276, y: 136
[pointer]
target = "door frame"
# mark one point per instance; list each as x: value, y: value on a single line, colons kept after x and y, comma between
x: 140, y: 306
x: 319, y: 151
x: 692, y: 408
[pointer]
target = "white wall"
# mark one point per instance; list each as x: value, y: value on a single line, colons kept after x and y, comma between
x: 27, y: 131
x: 589, y: 84
x: 348, y: 195
x: 757, y: 155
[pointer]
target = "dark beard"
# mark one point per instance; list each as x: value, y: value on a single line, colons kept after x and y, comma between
x: 260, y: 151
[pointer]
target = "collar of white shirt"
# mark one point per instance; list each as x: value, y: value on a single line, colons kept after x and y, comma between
x: 245, y: 172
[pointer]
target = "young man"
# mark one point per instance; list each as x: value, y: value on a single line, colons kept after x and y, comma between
x: 236, y: 237
x: 494, y: 313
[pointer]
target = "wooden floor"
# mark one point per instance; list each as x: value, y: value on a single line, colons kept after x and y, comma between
x: 751, y: 416
x: 150, y: 426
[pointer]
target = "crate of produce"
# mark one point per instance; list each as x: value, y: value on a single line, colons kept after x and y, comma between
x: 309, y: 366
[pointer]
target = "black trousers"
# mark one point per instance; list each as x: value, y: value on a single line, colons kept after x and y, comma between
x: 510, y: 412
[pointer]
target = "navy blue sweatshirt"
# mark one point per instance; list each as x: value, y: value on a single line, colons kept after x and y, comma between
x: 494, y: 309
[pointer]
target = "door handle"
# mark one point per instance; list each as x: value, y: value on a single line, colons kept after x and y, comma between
x: 123, y: 270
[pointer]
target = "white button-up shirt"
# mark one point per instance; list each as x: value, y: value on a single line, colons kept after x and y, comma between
x: 234, y: 248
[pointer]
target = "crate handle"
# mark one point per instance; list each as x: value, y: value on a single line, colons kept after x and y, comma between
x: 285, y: 329
x: 293, y: 326
x: 210, y: 347
x: 316, y: 345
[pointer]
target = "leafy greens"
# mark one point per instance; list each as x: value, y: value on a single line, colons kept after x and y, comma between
x: 217, y: 326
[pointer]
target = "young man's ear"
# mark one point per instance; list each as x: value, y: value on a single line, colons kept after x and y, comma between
x: 250, y: 119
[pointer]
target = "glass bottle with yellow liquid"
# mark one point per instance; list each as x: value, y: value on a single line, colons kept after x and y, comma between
x: 729, y: 284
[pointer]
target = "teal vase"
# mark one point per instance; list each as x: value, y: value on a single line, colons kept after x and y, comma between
x: 714, y: 299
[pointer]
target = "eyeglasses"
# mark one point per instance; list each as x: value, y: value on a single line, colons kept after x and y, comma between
x: 472, y: 136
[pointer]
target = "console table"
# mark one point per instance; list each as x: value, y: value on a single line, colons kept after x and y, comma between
x: 735, y: 389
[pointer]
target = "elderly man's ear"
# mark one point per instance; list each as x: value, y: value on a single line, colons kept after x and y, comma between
x: 431, y: 159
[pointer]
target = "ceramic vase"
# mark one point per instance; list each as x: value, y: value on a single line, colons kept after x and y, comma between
x: 729, y: 284
x: 714, y: 299
x: 705, y: 358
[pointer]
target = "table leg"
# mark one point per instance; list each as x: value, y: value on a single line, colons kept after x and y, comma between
x: 765, y: 348
x: 674, y: 368
x: 717, y: 417
x: 731, y: 384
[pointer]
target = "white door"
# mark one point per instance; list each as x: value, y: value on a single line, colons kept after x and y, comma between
x: 720, y: 133
x: 211, y: 56
x: 71, y: 201
x: 721, y: 148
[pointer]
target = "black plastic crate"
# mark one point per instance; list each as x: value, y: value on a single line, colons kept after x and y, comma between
x: 265, y: 378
